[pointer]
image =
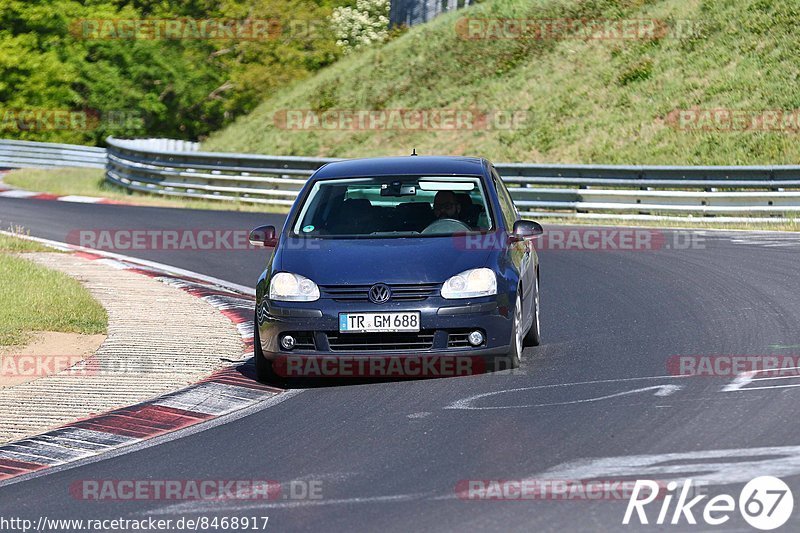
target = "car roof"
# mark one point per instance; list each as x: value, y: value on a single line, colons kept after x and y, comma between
x: 399, y: 166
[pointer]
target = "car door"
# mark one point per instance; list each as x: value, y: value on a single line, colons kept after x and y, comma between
x: 520, y: 251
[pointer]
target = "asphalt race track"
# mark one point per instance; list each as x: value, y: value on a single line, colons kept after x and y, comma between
x: 390, y: 455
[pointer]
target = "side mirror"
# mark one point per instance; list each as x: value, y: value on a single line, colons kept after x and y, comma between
x: 263, y: 236
x: 527, y: 229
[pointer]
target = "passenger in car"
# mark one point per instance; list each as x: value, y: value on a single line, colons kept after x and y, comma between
x: 469, y: 211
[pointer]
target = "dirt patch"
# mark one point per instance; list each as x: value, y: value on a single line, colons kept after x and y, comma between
x: 48, y: 353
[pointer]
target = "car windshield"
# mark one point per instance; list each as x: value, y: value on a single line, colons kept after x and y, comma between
x: 401, y: 206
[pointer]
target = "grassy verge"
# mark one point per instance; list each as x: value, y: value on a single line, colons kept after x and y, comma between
x: 584, y: 100
x: 34, y: 298
x: 90, y: 182
x: 15, y: 245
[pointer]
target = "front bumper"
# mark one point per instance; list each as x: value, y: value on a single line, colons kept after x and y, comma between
x: 441, y: 321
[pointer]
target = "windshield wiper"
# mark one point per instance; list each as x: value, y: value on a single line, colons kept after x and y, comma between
x: 394, y: 233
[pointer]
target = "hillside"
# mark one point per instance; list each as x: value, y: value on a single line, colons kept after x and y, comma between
x: 584, y: 100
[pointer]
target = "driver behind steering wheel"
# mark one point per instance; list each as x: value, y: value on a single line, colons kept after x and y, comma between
x: 446, y: 205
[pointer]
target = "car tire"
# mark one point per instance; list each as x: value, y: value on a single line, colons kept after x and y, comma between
x: 264, y: 371
x: 534, y: 335
x: 513, y: 359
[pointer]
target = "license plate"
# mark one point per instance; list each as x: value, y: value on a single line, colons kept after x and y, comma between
x: 378, y: 322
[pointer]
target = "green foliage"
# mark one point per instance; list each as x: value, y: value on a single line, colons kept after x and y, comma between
x: 363, y: 25
x: 180, y: 88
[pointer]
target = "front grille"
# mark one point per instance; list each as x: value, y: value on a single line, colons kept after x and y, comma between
x: 458, y: 340
x: 380, y: 342
x: 401, y: 292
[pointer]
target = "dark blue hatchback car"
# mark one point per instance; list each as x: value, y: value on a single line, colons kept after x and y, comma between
x: 398, y: 258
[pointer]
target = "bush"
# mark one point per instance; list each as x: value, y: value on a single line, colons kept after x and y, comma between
x: 179, y: 88
x: 360, y: 26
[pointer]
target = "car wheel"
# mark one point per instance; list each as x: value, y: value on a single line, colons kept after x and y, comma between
x: 534, y: 335
x: 515, y: 354
x: 264, y: 371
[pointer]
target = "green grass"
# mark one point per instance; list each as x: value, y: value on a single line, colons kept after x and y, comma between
x: 16, y: 245
x: 586, y: 101
x: 34, y: 298
x: 90, y: 182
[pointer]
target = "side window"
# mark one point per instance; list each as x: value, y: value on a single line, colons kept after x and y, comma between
x: 506, y: 203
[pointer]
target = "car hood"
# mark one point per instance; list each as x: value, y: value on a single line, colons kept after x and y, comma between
x: 367, y: 261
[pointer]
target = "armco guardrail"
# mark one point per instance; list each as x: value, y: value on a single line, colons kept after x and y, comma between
x: 31, y: 154
x: 218, y: 176
x: 176, y: 168
x: 641, y: 191
x: 538, y: 189
x: 28, y: 154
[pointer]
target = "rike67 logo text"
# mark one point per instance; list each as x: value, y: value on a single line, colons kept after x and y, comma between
x: 765, y: 503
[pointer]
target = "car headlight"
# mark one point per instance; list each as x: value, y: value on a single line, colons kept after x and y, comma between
x: 470, y: 284
x: 288, y: 287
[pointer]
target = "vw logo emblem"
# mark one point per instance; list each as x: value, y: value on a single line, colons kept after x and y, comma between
x: 380, y: 293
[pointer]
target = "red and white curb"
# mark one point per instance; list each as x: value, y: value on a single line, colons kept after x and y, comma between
x: 6, y: 191
x: 227, y: 390
x: 19, y: 193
